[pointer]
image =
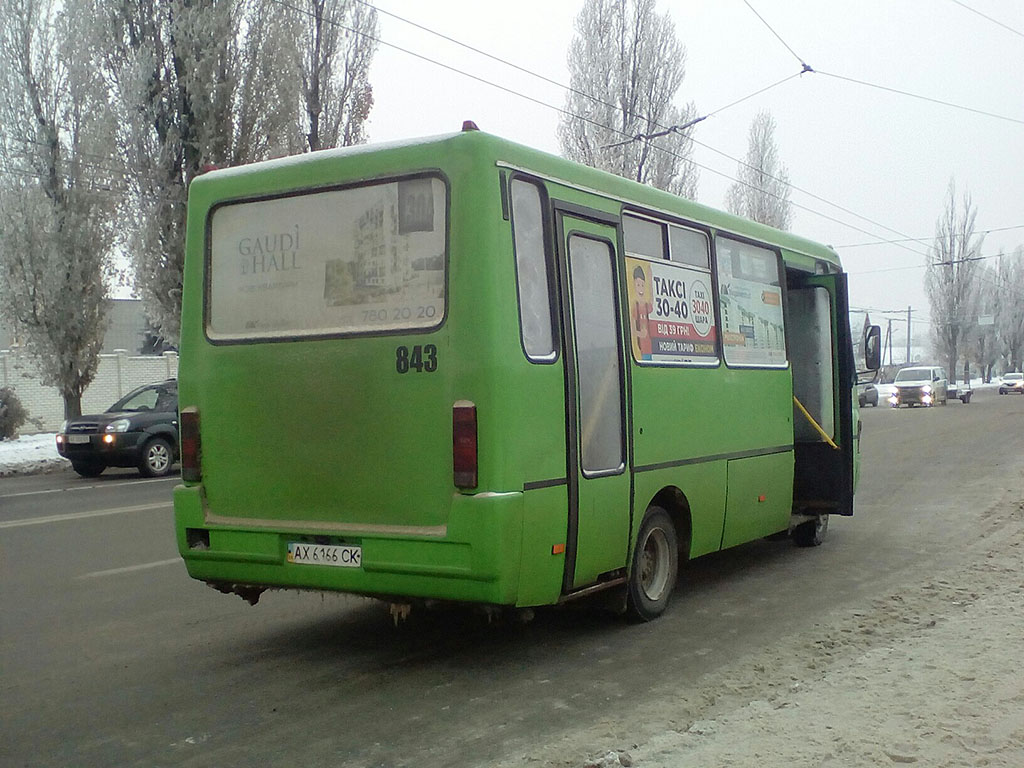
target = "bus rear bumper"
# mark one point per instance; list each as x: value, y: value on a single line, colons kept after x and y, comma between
x: 476, y: 559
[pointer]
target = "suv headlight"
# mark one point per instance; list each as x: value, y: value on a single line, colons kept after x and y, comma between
x: 926, y: 388
x: 121, y: 425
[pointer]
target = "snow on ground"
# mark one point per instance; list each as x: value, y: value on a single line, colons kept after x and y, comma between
x: 30, y: 454
x: 948, y: 691
x: 929, y: 675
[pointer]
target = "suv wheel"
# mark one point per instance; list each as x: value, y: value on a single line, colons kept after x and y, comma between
x: 88, y: 468
x: 157, y: 458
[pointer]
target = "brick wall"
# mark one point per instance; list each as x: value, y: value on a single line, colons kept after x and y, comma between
x: 117, y: 375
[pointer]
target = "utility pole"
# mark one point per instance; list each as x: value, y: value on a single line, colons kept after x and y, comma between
x: 908, y: 335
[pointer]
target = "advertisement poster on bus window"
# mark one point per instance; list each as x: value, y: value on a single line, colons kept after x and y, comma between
x: 671, y: 319
x: 366, y: 259
x: 751, y: 305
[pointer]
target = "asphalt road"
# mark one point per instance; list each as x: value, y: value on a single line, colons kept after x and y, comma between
x: 110, y: 655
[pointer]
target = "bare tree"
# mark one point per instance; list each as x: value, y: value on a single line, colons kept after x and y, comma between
x: 1010, y: 309
x: 55, y: 198
x: 194, y: 83
x: 951, y: 277
x: 761, y: 192
x: 983, y: 341
x: 337, y: 40
x: 625, y: 66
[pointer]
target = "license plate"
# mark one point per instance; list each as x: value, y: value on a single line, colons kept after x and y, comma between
x: 325, y: 554
x: 78, y: 439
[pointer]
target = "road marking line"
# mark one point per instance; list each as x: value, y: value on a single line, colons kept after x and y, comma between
x: 83, y: 515
x: 32, y: 493
x: 89, y: 487
x: 129, y: 568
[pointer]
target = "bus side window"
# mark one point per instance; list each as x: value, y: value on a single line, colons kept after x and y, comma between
x: 643, y: 237
x: 532, y: 271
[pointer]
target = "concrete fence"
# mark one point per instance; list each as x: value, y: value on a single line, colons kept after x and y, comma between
x: 117, y: 375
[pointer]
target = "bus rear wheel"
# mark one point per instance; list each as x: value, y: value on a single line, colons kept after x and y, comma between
x: 655, y: 565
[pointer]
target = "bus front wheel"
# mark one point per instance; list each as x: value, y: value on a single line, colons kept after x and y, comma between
x: 811, y: 533
x: 655, y: 565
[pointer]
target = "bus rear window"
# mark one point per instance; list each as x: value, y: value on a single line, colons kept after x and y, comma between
x: 359, y: 260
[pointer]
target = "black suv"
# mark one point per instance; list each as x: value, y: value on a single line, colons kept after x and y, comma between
x: 139, y: 430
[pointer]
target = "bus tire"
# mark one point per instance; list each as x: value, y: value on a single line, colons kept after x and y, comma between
x: 654, y: 567
x: 811, y: 533
x: 157, y: 458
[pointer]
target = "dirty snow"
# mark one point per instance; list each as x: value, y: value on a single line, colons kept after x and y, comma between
x: 29, y: 454
x: 932, y: 678
x: 929, y: 675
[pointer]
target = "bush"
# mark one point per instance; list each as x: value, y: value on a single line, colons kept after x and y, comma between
x: 12, y: 414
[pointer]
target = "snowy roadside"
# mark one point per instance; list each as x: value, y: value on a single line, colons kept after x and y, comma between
x: 30, y: 454
x: 929, y: 675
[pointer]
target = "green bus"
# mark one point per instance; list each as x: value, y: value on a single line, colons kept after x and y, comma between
x: 460, y: 369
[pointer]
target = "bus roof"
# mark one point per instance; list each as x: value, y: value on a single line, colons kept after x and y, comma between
x: 551, y: 167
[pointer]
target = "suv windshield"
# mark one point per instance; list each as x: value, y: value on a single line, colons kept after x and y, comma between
x: 1014, y: 376
x: 157, y: 398
x: 914, y: 374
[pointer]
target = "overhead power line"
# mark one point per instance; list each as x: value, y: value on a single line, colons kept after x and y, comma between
x: 886, y: 269
x: 665, y: 130
x: 541, y: 102
x: 821, y: 199
x: 547, y: 105
x: 691, y: 123
x: 563, y: 86
x: 804, y: 64
x: 808, y: 68
x: 926, y: 239
x: 920, y: 97
x: 989, y: 18
x: 933, y: 264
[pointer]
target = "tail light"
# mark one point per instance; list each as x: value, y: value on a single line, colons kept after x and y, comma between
x: 190, y: 449
x: 464, y: 444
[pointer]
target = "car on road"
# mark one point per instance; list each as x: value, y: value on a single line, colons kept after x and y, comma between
x: 1011, y: 382
x: 139, y: 430
x: 867, y: 394
x: 961, y: 392
x: 919, y: 385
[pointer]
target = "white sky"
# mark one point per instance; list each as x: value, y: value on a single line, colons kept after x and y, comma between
x: 883, y: 156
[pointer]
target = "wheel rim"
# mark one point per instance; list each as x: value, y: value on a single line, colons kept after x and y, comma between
x: 158, y: 457
x: 654, y: 565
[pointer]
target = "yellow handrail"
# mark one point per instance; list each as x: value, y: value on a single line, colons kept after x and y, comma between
x: 815, y: 424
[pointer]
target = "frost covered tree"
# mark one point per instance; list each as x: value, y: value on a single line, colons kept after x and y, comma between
x: 626, y: 66
x: 983, y: 341
x: 1010, y: 308
x: 55, y: 194
x: 761, y: 192
x: 951, y: 278
x: 193, y: 83
x: 335, y: 43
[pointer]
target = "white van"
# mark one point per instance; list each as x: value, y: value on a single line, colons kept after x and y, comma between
x: 920, y: 385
